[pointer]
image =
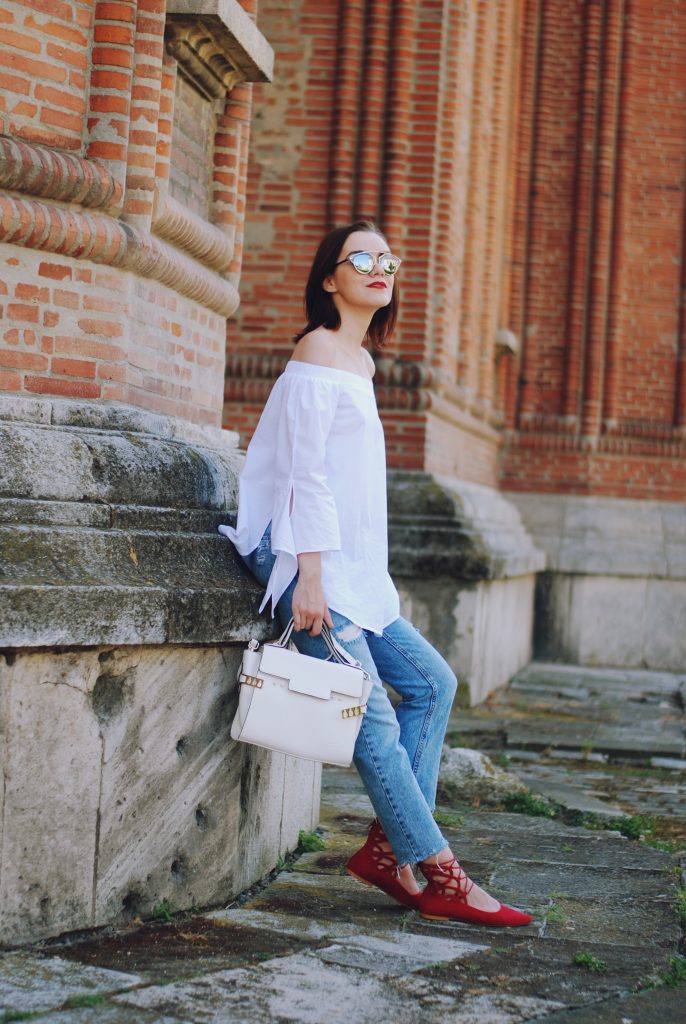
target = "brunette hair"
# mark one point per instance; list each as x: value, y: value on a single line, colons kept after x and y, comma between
x: 320, y: 308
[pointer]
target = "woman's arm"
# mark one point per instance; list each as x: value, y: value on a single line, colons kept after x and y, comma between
x: 309, y: 602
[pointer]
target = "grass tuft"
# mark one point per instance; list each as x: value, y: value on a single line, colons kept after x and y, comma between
x: 676, y: 975
x: 76, y: 1002
x: 309, y: 842
x: 635, y: 827
x: 590, y: 962
x: 681, y: 906
x: 527, y: 803
x: 444, y: 819
x: 163, y: 910
x: 554, y: 915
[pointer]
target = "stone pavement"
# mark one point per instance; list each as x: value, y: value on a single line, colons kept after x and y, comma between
x: 314, y: 945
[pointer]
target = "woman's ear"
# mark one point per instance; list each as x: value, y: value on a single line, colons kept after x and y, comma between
x: 329, y: 285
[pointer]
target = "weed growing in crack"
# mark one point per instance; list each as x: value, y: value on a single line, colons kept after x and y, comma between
x: 309, y: 842
x: 76, y: 1002
x: 527, y: 803
x: 163, y: 910
x: 554, y: 915
x: 590, y: 962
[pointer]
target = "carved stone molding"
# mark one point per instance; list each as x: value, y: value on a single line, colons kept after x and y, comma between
x: 202, y: 240
x: 670, y: 447
x: 217, y: 45
x: 25, y: 167
x: 97, y: 237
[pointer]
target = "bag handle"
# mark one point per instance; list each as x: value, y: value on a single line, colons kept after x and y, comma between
x: 337, y: 652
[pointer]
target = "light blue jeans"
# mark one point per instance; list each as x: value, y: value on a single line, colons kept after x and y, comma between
x: 398, y: 751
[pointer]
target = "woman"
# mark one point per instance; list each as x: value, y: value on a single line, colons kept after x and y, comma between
x: 312, y: 529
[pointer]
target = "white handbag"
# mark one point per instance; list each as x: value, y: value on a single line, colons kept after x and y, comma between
x: 299, y: 705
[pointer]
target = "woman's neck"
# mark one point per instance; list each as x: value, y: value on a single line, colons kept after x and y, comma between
x: 353, y: 329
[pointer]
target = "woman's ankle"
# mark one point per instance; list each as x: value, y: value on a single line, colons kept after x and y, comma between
x: 444, y: 856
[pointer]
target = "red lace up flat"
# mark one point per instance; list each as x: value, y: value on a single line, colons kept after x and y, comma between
x: 375, y: 866
x: 445, y: 899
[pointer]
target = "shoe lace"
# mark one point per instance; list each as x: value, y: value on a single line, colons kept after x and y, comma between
x: 448, y: 879
x: 384, y: 860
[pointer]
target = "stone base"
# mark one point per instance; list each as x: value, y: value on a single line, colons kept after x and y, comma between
x: 123, y: 614
x: 611, y: 621
x: 465, y: 568
x: 123, y: 788
x: 483, y: 630
x: 614, y: 593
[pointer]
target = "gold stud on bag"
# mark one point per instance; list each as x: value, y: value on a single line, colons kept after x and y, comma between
x: 299, y: 705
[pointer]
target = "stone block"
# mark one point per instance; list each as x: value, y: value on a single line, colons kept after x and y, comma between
x: 611, y: 620
x: 469, y: 776
x: 30, y: 984
x: 303, y: 988
x: 41, y: 615
x: 123, y: 788
x: 263, y: 775
x: 111, y: 466
x: 447, y: 527
x: 51, y: 766
x: 483, y: 630
x: 660, y: 1006
x: 170, y: 779
x: 108, y: 1015
x: 664, y: 636
x: 610, y: 616
x: 603, y: 536
x: 464, y: 565
x: 301, y: 800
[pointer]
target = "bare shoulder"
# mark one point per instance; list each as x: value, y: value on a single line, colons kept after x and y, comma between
x: 316, y: 347
x: 371, y: 365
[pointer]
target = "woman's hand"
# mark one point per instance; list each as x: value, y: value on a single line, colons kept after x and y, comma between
x: 309, y: 604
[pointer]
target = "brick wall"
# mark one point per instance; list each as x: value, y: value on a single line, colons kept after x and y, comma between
x: 526, y: 158
x: 122, y: 197
x: 190, y: 177
x: 43, y: 67
x: 401, y: 113
x: 595, y: 400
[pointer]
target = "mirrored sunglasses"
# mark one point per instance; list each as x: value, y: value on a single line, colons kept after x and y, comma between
x: 364, y: 262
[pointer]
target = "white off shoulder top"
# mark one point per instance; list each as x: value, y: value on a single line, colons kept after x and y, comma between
x: 316, y: 468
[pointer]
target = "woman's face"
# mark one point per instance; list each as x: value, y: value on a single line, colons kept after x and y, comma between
x: 350, y: 288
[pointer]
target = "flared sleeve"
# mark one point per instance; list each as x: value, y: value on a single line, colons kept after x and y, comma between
x: 304, y: 515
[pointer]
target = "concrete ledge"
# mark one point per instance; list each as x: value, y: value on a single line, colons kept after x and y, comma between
x: 615, y: 590
x: 120, y: 545
x: 115, y: 416
x: 607, y: 536
x: 465, y: 568
x: 446, y: 526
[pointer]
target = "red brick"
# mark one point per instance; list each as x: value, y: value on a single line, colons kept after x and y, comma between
x: 56, y: 271
x: 66, y: 55
x: 18, y: 41
x: 22, y: 360
x: 9, y: 381
x: 72, y: 367
x: 21, y: 311
x: 31, y: 292
x: 64, y: 386
x: 105, y: 328
x: 53, y: 28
